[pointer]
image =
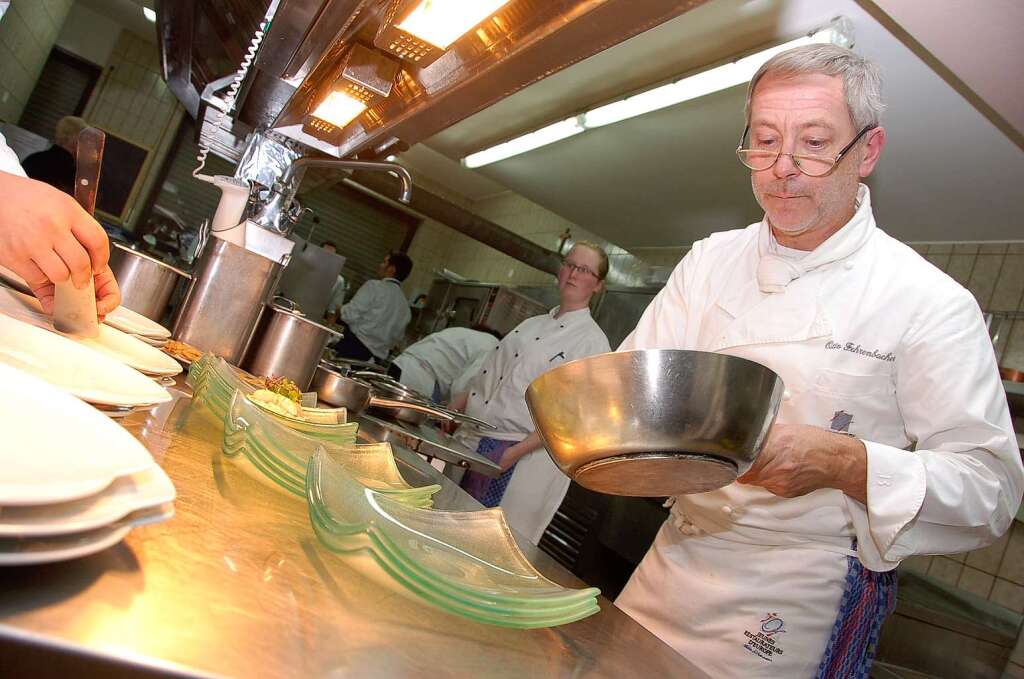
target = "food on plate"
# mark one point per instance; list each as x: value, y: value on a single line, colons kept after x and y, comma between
x: 276, y: 403
x: 279, y: 385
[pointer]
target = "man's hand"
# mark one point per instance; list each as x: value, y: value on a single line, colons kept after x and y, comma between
x: 798, y: 459
x: 47, y: 238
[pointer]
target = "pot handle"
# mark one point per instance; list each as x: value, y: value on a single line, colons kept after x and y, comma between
x: 388, y: 403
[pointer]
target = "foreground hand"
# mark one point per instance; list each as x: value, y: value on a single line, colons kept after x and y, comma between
x: 108, y: 294
x: 798, y: 459
x: 47, y: 238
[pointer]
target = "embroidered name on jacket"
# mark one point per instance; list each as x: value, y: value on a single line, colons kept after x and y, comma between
x: 858, y: 349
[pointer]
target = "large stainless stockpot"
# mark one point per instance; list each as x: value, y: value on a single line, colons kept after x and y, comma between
x: 146, y: 283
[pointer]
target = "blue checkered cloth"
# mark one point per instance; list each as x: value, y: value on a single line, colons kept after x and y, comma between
x: 486, y: 490
x: 868, y: 599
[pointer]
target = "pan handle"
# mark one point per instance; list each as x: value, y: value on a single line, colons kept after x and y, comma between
x: 419, y: 407
x: 468, y: 419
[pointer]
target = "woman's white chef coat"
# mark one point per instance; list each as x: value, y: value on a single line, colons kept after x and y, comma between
x: 440, y: 357
x: 8, y: 159
x: 872, y: 340
x: 498, y: 395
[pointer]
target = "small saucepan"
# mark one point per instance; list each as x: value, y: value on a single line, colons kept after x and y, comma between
x: 356, y: 395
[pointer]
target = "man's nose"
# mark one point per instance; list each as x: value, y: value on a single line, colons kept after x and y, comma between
x: 785, y: 166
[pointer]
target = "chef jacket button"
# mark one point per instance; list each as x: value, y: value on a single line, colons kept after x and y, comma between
x: 486, y: 402
x: 561, y: 326
x: 727, y: 509
x: 474, y: 393
x: 848, y: 266
x: 536, y: 338
x: 517, y: 356
x: 786, y: 396
x: 485, y: 372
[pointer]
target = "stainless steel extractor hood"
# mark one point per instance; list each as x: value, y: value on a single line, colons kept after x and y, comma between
x: 307, y: 45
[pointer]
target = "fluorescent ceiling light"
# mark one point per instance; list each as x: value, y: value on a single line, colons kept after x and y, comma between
x: 527, y: 142
x: 339, y: 108
x: 149, y: 13
x: 698, y: 85
x: 442, y: 22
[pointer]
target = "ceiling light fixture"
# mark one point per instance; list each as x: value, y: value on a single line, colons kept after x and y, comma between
x: 149, y: 13
x: 420, y: 31
x: 366, y: 77
x: 713, y: 80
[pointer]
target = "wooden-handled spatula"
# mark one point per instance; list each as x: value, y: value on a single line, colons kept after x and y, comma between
x: 74, y: 309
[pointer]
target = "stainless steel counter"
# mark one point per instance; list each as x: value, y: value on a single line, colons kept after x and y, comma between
x: 237, y: 585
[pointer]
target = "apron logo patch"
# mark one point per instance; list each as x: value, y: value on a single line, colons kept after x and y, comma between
x: 841, y: 422
x: 764, y: 643
x: 888, y: 357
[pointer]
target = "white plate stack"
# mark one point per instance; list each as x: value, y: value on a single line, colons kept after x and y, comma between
x: 72, y: 482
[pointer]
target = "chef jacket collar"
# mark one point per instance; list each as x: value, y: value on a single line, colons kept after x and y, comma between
x: 568, y: 314
x: 393, y: 280
x: 774, y: 273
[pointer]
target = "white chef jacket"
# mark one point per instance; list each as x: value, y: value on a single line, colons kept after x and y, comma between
x: 8, y: 159
x: 498, y: 395
x: 439, y: 358
x: 871, y: 339
x: 378, y: 314
x: 338, y: 291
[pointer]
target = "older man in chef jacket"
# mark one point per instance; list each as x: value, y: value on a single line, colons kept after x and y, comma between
x: 893, y: 436
x: 47, y: 238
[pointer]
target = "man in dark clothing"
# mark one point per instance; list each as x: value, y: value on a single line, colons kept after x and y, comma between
x: 56, y: 165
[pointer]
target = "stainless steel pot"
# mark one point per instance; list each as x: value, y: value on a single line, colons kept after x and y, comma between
x: 146, y: 283
x: 287, y: 344
x: 225, y: 300
x: 657, y: 422
x: 356, y: 395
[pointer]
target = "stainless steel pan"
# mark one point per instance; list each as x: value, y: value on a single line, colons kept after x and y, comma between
x: 657, y: 422
x: 356, y: 395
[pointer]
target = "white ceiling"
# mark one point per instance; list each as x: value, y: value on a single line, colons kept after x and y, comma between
x: 670, y: 177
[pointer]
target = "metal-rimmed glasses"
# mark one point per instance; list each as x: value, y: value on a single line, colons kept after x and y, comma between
x: 810, y: 164
x: 566, y: 264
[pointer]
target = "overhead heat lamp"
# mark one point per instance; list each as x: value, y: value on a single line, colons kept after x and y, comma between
x: 419, y: 31
x: 367, y: 76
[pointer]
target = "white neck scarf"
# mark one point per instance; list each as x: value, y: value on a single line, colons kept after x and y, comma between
x: 774, y: 272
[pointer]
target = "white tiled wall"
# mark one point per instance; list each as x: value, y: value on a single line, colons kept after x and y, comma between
x: 132, y: 101
x: 28, y: 31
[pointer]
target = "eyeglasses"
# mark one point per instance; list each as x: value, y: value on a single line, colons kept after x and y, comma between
x: 566, y: 264
x: 810, y: 164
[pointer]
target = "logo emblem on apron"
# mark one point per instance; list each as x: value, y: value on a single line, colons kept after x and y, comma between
x: 763, y: 643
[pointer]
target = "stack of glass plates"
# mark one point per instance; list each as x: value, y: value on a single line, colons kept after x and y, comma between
x: 214, y: 381
x: 69, y: 490
x: 467, y: 563
x: 281, y: 454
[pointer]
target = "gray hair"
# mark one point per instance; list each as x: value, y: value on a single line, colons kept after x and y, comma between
x: 862, y: 80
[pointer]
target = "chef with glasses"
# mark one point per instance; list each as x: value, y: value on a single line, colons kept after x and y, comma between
x: 531, y: 487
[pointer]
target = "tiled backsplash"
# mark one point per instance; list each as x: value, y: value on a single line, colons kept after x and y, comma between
x: 28, y: 31
x: 133, y: 102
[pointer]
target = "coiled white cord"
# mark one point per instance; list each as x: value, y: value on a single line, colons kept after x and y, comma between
x: 232, y: 93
